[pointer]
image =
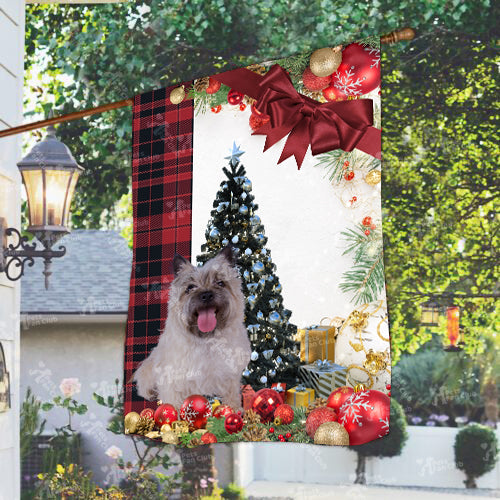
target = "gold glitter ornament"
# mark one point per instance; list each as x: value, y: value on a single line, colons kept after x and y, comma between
x: 325, y: 61
x: 180, y: 427
x: 177, y: 95
x: 358, y: 320
x: 332, y: 434
x: 375, y: 362
x: 131, y: 420
x: 170, y: 437
x: 165, y: 428
x: 153, y: 435
x: 373, y: 178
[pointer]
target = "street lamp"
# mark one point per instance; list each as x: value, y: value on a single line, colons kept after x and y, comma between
x: 429, y: 314
x: 50, y: 173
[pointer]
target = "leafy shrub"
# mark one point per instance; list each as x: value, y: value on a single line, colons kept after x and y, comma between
x: 476, y: 452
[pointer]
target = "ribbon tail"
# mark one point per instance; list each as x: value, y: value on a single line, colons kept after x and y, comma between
x: 371, y: 142
x: 297, y: 143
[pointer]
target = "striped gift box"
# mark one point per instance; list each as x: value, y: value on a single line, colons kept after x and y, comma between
x: 323, y: 376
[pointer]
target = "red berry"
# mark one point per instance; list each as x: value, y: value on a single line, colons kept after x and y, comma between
x: 346, y: 163
x: 288, y: 435
x: 281, y: 436
x: 216, y: 109
x: 389, y: 393
x: 367, y: 232
x: 388, y: 387
x: 349, y: 176
x: 354, y: 198
x: 367, y: 221
x: 243, y: 106
x: 271, y: 429
x: 373, y: 226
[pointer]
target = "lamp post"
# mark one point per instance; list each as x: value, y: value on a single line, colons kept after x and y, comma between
x: 429, y: 315
x: 50, y: 173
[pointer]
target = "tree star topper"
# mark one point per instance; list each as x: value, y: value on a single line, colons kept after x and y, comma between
x: 234, y: 154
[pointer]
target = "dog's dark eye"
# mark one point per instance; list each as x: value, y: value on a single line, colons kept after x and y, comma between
x: 190, y: 287
x: 221, y: 284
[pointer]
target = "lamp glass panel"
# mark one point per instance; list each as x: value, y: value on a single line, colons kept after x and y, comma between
x: 55, y: 194
x: 34, y: 190
x: 71, y: 191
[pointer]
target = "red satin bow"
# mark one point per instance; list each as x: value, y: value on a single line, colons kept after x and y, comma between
x: 324, y: 126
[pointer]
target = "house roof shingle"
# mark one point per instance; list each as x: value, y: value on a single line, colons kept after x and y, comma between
x: 92, y: 278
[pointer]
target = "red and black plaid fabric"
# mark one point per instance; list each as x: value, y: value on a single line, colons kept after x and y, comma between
x: 162, y: 173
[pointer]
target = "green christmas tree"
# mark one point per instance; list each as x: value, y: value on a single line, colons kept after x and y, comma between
x: 234, y: 222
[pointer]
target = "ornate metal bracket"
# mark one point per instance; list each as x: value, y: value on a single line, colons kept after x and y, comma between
x: 16, y: 257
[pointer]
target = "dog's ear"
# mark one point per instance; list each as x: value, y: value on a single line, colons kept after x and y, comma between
x: 179, y: 262
x: 228, y: 253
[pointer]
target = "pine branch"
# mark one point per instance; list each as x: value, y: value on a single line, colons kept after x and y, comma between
x: 371, y: 41
x: 204, y: 102
x: 295, y: 65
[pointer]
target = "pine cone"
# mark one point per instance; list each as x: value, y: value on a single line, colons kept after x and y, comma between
x: 144, y: 425
x: 201, y: 84
x: 195, y: 442
x: 257, y: 68
x: 255, y: 433
x: 251, y: 417
x: 318, y: 402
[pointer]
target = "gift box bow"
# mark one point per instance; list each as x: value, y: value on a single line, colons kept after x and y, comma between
x: 279, y: 387
x: 323, y: 365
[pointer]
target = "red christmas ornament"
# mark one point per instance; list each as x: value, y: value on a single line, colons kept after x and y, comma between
x: 222, y: 411
x: 243, y: 106
x: 195, y: 411
x: 367, y: 221
x: 317, y: 417
x: 389, y: 394
x: 213, y: 86
x: 265, y: 402
x: 388, y: 387
x: 165, y: 414
x: 332, y: 93
x: 208, y: 438
x: 234, y: 97
x: 338, y: 397
x: 359, y: 72
x: 233, y: 423
x: 367, y: 232
x: 271, y: 430
x: 349, y: 176
x: 216, y: 109
x: 148, y: 413
x: 257, y: 121
x: 285, y: 412
x: 313, y: 82
x: 365, y: 416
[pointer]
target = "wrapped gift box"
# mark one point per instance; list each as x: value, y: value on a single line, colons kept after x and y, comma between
x: 299, y: 396
x: 323, y: 376
x: 279, y: 387
x: 317, y: 342
x: 247, y: 394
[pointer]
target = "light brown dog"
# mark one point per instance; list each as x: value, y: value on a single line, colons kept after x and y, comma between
x: 204, y: 347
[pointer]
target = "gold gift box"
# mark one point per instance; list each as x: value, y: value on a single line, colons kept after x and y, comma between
x: 317, y: 342
x: 299, y: 396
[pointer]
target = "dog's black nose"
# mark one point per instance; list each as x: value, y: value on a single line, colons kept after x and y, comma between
x: 206, y: 296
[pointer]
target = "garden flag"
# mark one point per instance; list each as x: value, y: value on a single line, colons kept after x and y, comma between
x: 257, y: 297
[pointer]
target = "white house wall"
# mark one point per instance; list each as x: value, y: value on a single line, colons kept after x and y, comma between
x: 11, y: 88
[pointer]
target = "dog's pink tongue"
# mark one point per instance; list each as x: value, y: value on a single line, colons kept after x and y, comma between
x: 207, y: 320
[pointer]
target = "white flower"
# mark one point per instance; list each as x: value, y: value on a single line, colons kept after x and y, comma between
x: 114, y: 452
x: 70, y: 386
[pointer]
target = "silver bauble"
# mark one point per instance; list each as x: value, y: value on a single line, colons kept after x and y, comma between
x: 247, y: 185
x: 235, y: 239
x: 260, y: 315
x: 214, y: 233
x: 248, y: 251
x: 254, y: 356
x: 246, y: 275
x: 258, y: 267
x: 243, y: 210
x: 225, y: 242
x: 251, y: 299
x: 263, y: 379
x: 227, y: 223
x: 274, y: 318
x: 268, y: 354
x: 246, y: 373
x: 272, y: 373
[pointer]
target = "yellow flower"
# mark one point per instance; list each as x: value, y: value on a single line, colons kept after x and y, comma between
x: 60, y: 469
x: 40, y: 476
x: 70, y: 468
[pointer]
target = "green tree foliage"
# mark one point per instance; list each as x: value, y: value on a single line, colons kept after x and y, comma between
x: 476, y: 452
x: 440, y: 184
